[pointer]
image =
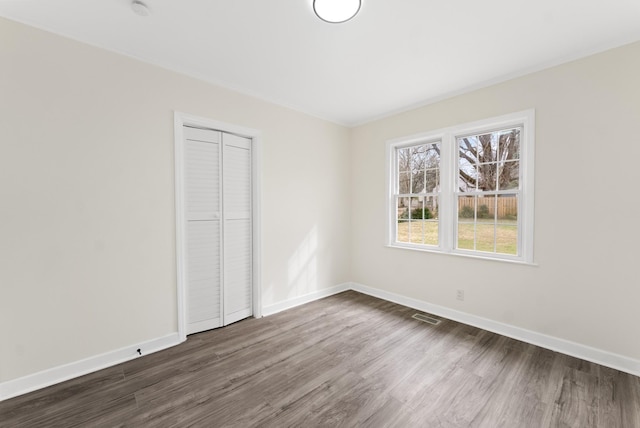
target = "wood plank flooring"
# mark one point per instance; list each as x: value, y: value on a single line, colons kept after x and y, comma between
x: 348, y: 360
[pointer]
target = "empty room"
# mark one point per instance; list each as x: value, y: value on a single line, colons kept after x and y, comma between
x: 357, y: 213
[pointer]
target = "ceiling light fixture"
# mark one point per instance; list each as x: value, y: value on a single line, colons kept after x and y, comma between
x: 336, y: 11
x: 140, y: 8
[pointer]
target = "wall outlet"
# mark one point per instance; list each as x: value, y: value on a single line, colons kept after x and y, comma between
x: 460, y: 295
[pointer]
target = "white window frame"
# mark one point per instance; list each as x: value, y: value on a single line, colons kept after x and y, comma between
x: 447, y: 213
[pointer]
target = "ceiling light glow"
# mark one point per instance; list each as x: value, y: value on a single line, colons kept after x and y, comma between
x: 336, y: 11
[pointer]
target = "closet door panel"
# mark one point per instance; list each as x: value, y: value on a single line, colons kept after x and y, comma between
x: 202, y: 157
x: 237, y: 270
x: 203, y: 256
x: 237, y: 228
x: 218, y: 214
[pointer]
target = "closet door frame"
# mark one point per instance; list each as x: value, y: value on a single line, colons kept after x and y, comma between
x: 181, y: 120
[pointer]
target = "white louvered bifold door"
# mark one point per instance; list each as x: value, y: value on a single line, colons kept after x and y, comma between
x: 202, y: 157
x: 219, y: 251
x: 237, y: 228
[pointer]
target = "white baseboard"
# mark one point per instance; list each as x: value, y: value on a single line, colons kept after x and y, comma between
x: 598, y: 356
x: 301, y: 300
x: 59, y: 374
x: 43, y: 379
x: 23, y: 385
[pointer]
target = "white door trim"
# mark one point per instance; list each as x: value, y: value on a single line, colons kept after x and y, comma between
x: 180, y: 120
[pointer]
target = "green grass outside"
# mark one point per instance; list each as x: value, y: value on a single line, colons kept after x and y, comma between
x: 506, y: 234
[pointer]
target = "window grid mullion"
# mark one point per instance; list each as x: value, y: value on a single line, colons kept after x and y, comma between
x: 475, y: 223
x: 495, y: 223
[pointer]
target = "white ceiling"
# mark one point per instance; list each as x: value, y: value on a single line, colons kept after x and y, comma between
x: 396, y: 54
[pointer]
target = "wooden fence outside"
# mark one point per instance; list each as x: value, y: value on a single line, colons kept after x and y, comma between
x: 507, y: 205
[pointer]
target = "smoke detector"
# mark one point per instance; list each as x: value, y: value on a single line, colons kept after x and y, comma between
x: 140, y: 8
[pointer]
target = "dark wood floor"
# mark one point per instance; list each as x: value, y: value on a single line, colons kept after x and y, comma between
x: 347, y: 360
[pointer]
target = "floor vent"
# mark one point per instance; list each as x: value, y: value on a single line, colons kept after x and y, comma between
x: 427, y: 319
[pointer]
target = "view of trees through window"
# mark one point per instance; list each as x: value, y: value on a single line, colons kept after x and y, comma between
x: 488, y: 182
x: 488, y: 179
x: 466, y: 189
x: 418, y: 193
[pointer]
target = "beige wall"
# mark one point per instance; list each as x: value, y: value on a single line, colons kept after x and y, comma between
x: 585, y: 287
x: 87, y: 257
x: 87, y: 230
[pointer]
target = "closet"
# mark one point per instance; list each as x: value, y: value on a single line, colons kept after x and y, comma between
x: 218, y: 228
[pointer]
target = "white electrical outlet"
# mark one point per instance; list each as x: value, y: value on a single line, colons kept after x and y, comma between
x: 460, y: 295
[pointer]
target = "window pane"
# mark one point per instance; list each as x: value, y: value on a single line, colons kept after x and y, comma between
x: 417, y: 211
x: 404, y: 159
x: 403, y: 208
x: 467, y: 159
x: 466, y: 223
x: 509, y: 144
x: 468, y: 147
x: 432, y: 180
x: 433, y: 156
x: 508, y: 209
x: 509, y: 175
x: 418, y: 157
x: 507, y: 239
x: 431, y: 204
x: 402, y: 234
x: 404, y: 182
x: 466, y: 236
x: 488, y: 223
x: 417, y: 181
x: 417, y: 231
x: 417, y: 220
x: 482, y: 156
x: 487, y: 176
x: 429, y: 220
x: 466, y: 207
x: 403, y: 231
x: 485, y: 237
x: 507, y: 225
x: 432, y: 173
x: 487, y: 147
x: 486, y: 208
x: 431, y: 232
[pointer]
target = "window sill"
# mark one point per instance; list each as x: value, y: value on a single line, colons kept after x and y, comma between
x: 470, y: 256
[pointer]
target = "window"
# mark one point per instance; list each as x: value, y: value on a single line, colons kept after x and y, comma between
x: 465, y: 190
x: 418, y: 172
